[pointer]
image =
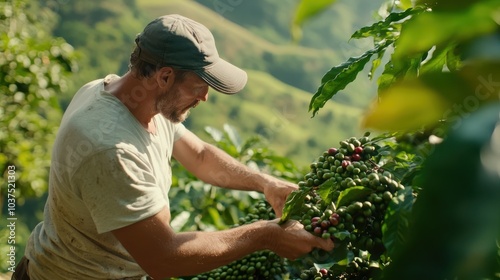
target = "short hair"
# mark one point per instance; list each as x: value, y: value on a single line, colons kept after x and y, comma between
x: 143, y: 69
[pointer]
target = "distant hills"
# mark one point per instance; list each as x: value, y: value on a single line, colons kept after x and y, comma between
x: 282, y: 75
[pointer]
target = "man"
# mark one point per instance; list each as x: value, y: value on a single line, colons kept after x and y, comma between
x: 107, y: 215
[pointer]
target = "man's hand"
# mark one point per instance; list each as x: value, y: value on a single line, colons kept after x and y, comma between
x: 294, y: 241
x: 277, y: 192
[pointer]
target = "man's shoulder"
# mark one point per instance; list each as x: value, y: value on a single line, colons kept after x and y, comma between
x: 95, y: 121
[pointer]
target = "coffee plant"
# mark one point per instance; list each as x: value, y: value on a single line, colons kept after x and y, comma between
x: 345, y: 197
x: 436, y: 52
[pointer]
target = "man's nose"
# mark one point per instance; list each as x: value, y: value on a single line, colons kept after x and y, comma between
x: 203, y: 95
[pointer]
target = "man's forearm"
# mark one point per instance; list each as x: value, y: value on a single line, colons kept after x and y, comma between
x: 214, y: 166
x: 220, y: 169
x: 198, y: 252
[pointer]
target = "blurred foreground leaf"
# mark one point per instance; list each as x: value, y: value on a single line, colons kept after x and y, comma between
x: 428, y: 29
x: 455, y: 222
x: 306, y: 10
x: 451, y: 96
x: 406, y: 106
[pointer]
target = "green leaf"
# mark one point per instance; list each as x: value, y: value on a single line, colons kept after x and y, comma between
x: 397, y: 70
x: 250, y: 143
x: 233, y: 136
x: 216, y: 218
x: 381, y: 28
x: 352, y: 194
x: 383, y: 137
x: 340, y: 76
x: 411, y: 104
x: 319, y: 266
x: 453, y: 61
x: 376, y: 63
x: 305, y: 10
x: 438, y: 59
x: 216, y: 134
x: 340, y: 256
x: 428, y: 29
x: 326, y: 189
x: 406, y: 106
x: 342, y: 235
x: 396, y: 221
x: 455, y: 221
x: 403, y: 170
x: 293, y: 204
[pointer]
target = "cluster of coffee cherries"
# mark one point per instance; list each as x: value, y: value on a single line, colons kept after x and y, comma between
x: 359, y: 192
x: 255, y: 266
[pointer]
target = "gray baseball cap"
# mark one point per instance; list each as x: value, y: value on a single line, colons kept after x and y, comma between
x: 180, y: 42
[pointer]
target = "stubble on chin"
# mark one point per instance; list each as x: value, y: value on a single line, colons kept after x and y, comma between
x: 166, y: 109
x: 165, y: 106
x: 175, y: 116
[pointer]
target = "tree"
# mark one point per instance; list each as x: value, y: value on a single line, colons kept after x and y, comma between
x: 34, y: 72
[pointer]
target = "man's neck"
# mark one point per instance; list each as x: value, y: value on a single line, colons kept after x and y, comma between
x: 138, y: 95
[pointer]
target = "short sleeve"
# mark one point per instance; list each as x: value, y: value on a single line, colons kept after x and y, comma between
x: 180, y: 129
x: 119, y: 188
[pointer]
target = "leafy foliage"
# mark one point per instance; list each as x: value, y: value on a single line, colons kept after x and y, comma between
x: 439, y: 82
x: 455, y: 223
x: 434, y: 51
x: 384, y: 33
x: 340, y: 76
x: 397, y: 224
x: 35, y: 70
x: 419, y: 34
x: 386, y: 28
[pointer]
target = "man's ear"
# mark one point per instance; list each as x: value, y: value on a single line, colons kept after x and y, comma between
x: 165, y: 77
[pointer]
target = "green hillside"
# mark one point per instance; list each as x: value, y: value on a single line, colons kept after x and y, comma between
x: 278, y: 112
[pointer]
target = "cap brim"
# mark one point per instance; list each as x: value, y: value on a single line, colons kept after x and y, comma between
x: 224, y: 77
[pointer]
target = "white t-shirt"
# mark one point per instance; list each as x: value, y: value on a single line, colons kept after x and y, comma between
x: 107, y: 172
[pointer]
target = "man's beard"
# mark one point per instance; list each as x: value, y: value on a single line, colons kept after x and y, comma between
x: 166, y: 106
